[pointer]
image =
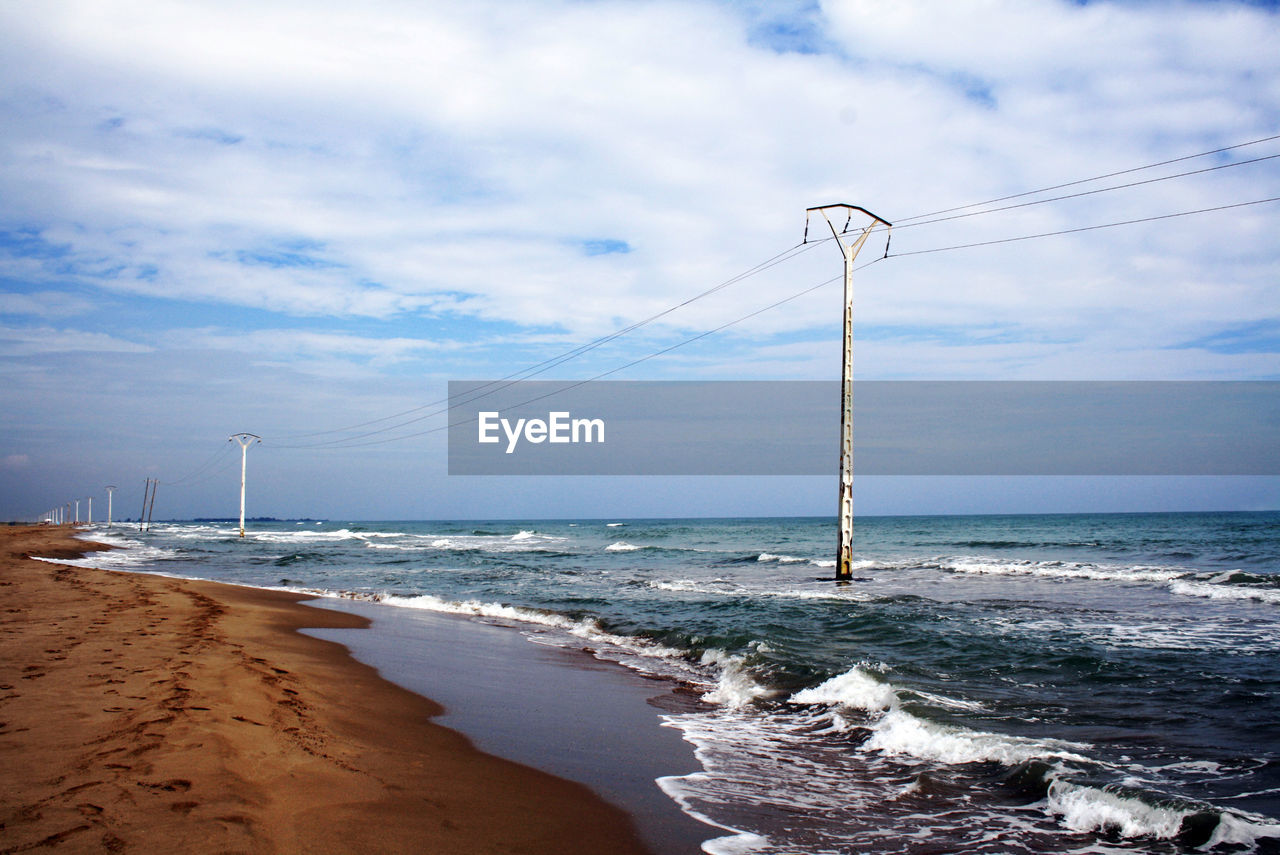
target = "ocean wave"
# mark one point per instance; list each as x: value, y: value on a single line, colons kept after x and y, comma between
x: 900, y: 734
x: 1064, y: 570
x: 1127, y: 813
x: 1130, y: 814
x: 523, y: 541
x: 781, y: 559
x: 310, y: 535
x: 127, y: 555
x: 897, y: 732
x: 769, y: 557
x: 622, y: 546
x: 736, y: 686
x: 727, y: 588
x: 1227, y: 591
x: 855, y: 688
x: 1085, y: 808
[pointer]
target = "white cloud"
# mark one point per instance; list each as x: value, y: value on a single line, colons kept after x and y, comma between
x: 15, y: 461
x: 450, y: 159
x: 44, y: 304
x: 33, y: 341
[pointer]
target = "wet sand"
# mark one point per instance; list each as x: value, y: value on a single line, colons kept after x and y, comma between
x: 149, y: 714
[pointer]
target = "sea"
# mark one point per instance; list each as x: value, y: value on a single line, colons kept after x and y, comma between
x: 985, y: 684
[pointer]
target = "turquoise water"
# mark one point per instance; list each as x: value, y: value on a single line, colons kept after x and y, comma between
x: 985, y: 684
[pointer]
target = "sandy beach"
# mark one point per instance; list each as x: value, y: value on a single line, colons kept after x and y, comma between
x: 149, y: 714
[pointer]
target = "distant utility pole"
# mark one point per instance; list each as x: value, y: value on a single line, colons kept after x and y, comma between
x: 109, y: 488
x: 142, y: 517
x: 850, y: 243
x: 155, y: 482
x: 77, y: 501
x: 245, y: 440
x: 90, y: 520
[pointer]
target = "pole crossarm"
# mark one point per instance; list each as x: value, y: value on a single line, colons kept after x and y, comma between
x: 825, y: 208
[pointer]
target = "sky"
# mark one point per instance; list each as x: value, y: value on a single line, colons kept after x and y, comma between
x: 291, y: 218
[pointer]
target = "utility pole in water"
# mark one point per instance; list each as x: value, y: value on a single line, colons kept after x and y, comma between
x: 155, y: 482
x: 142, y: 517
x: 245, y: 440
x: 109, y: 488
x: 850, y: 243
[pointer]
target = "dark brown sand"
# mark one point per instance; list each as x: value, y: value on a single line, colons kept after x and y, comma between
x: 147, y: 714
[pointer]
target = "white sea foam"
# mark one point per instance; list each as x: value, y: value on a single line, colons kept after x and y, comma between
x: 1064, y: 570
x: 638, y: 654
x: 523, y: 541
x: 896, y: 732
x: 781, y: 559
x: 1083, y: 808
x: 736, y: 686
x: 899, y: 733
x: 1226, y: 591
x: 308, y: 536
x: 621, y: 546
x: 1242, y: 830
x: 128, y: 555
x: 1093, y: 809
x: 854, y: 688
x: 687, y: 586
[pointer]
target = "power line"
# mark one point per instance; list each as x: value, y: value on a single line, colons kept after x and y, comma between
x: 537, y: 368
x: 349, y: 443
x: 211, y: 462
x: 575, y: 384
x: 802, y: 293
x: 573, y: 353
x: 1084, y: 228
x: 904, y: 220
x: 1090, y: 192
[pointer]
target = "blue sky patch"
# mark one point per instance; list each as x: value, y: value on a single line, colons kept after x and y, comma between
x: 1256, y: 337
x: 27, y: 243
x: 605, y: 246
x: 216, y: 135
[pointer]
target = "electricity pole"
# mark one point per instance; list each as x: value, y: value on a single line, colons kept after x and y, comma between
x: 155, y: 482
x: 109, y: 488
x: 77, y: 501
x: 142, y: 517
x: 245, y: 440
x: 90, y: 520
x: 850, y: 243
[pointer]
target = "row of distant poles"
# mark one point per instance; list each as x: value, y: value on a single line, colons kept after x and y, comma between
x: 64, y: 514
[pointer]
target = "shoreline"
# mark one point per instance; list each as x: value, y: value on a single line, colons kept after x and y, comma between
x: 151, y: 713
x: 560, y: 709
